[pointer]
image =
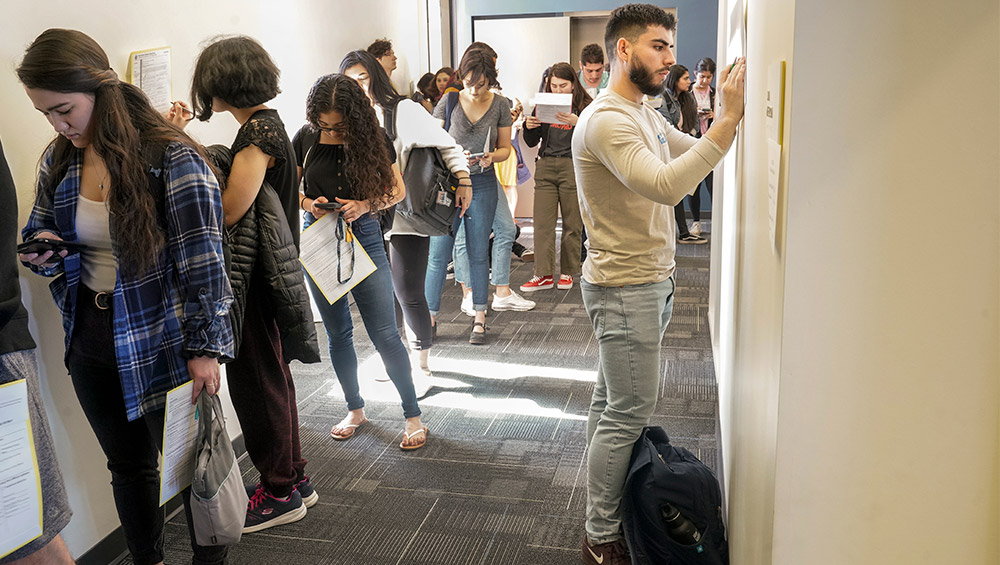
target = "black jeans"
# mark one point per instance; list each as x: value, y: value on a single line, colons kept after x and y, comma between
x: 408, y: 263
x: 132, y: 448
x: 695, y: 199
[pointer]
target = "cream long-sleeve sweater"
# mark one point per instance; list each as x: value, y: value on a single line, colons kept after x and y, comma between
x: 632, y: 167
x: 415, y: 127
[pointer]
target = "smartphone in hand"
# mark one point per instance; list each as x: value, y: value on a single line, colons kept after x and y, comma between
x: 42, y: 244
x: 328, y: 205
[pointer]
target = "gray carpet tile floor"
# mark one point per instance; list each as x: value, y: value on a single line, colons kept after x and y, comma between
x: 502, y: 479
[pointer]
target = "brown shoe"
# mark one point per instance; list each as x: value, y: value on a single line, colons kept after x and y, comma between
x: 611, y: 553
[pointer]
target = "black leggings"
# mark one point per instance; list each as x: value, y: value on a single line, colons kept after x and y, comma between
x: 408, y: 263
x: 695, y: 201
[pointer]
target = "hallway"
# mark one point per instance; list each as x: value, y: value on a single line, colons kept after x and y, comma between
x: 502, y: 479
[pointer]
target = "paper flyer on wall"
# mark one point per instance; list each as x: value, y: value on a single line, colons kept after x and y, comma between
x: 150, y: 71
x: 180, y: 441
x: 20, y: 484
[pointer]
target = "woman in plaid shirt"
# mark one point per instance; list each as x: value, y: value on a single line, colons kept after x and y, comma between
x: 145, y: 304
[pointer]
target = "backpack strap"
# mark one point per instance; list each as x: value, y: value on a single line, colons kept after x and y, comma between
x: 449, y: 107
x: 389, y: 119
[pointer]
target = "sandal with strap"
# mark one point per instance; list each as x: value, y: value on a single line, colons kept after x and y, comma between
x: 478, y: 338
x: 348, y: 432
x: 407, y: 437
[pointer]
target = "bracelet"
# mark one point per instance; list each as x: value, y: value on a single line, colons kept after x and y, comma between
x: 302, y: 199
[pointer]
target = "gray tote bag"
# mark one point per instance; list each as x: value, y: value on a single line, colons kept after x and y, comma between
x: 218, y: 497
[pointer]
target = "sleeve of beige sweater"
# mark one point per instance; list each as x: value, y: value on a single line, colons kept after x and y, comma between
x: 614, y: 138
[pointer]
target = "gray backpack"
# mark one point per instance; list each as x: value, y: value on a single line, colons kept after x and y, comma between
x: 218, y: 497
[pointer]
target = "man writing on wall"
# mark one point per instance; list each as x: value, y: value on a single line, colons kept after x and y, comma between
x: 631, y: 169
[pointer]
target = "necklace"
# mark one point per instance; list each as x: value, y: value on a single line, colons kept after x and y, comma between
x: 93, y: 163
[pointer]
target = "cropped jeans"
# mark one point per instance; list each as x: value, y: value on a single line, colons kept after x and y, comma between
x: 373, y: 297
x: 504, y: 232
x: 476, y: 224
x: 629, y: 322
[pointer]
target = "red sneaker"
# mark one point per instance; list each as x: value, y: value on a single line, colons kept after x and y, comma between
x: 565, y: 282
x: 537, y: 283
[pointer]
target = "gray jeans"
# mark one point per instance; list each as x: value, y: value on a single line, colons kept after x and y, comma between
x: 629, y: 322
x: 55, y: 506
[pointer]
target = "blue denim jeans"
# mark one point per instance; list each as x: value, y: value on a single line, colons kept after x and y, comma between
x: 477, y: 224
x: 373, y: 297
x: 503, y: 238
x: 629, y: 322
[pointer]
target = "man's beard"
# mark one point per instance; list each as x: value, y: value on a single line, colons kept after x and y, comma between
x: 644, y: 80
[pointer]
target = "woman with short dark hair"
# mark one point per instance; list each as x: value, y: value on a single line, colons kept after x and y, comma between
x: 238, y: 76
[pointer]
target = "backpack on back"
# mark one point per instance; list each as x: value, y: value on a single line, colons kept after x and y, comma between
x: 429, y: 202
x: 663, y: 480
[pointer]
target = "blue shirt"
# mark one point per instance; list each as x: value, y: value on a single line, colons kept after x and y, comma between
x: 176, y: 310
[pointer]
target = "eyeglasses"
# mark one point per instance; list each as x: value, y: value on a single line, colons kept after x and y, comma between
x: 337, y: 129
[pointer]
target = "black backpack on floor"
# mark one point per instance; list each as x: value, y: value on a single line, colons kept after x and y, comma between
x: 664, y: 479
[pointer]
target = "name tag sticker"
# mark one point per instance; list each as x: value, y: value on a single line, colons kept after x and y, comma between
x: 662, y: 138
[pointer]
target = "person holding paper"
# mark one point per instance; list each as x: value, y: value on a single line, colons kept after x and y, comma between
x: 238, y: 76
x: 631, y: 168
x: 555, y: 185
x: 18, y: 361
x: 351, y: 163
x: 145, y: 308
x: 408, y: 246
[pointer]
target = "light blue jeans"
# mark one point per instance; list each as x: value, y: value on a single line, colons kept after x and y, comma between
x: 629, y: 322
x: 503, y: 238
x: 475, y: 226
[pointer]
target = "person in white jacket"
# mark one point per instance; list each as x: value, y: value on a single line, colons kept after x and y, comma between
x: 408, y: 246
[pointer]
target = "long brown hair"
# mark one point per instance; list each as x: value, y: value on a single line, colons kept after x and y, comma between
x: 566, y: 72
x: 368, y: 166
x: 124, y: 127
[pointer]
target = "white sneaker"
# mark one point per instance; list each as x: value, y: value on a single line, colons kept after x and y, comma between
x: 695, y: 228
x: 467, y: 306
x: 512, y: 302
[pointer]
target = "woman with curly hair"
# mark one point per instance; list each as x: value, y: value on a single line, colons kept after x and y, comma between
x: 408, y: 244
x: 350, y: 162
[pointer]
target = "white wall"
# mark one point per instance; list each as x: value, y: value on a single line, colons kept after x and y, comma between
x: 307, y: 39
x: 864, y: 382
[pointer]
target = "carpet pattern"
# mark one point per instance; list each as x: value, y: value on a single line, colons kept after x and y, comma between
x: 502, y: 479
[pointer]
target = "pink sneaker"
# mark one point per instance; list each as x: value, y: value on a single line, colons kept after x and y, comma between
x: 565, y: 282
x: 538, y: 283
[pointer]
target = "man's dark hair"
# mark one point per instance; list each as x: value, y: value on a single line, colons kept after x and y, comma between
x: 592, y: 54
x: 236, y: 70
x: 631, y: 20
x: 480, y: 46
x: 477, y: 64
x: 380, y: 47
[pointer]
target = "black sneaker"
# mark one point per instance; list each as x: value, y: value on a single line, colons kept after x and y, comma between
x: 265, y: 511
x: 611, y: 553
x: 309, y: 495
x: 692, y: 239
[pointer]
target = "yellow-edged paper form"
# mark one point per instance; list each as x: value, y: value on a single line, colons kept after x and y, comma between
x: 318, y: 254
x: 20, y: 483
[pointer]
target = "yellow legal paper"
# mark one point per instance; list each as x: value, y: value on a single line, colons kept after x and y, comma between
x: 20, y: 484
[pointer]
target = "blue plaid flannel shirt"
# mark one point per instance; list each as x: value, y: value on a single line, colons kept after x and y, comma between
x: 180, y: 308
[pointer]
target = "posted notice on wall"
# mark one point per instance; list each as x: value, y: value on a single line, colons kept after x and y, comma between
x: 180, y: 439
x: 150, y: 71
x: 20, y: 485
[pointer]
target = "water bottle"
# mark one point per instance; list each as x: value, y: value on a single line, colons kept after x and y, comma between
x: 680, y: 529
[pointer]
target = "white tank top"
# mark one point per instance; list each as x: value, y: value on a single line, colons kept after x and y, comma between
x: 99, y: 270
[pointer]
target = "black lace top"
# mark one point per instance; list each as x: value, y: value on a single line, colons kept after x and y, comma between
x: 267, y: 132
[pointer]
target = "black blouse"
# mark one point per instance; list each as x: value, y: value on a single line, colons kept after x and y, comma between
x: 267, y: 132
x: 326, y: 174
